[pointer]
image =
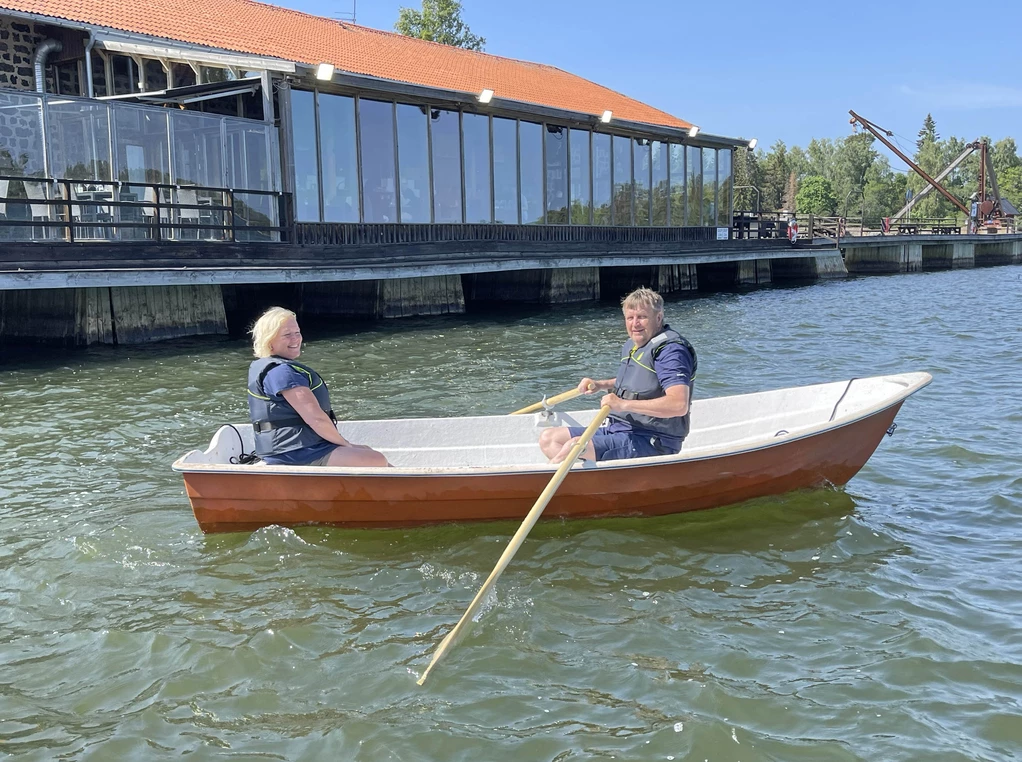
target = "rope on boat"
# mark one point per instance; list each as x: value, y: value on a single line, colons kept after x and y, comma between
x: 834, y: 411
x: 246, y: 457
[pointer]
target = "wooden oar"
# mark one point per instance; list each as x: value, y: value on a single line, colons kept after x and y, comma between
x: 516, y: 542
x: 556, y: 399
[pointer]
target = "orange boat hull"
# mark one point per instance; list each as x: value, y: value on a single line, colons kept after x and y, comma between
x: 243, y: 501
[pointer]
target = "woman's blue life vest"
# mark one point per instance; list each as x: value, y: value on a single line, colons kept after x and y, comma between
x: 637, y: 380
x: 277, y: 426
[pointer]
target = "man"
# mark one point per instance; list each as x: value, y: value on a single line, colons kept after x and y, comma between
x: 650, y: 397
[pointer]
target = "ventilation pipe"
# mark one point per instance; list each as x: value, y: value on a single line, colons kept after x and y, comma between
x: 45, y: 48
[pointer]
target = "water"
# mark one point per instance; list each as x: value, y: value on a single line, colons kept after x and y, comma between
x: 882, y: 622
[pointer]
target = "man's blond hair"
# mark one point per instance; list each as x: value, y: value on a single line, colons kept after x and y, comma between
x: 644, y: 297
x: 266, y: 328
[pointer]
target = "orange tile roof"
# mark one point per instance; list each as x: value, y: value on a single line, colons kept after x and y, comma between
x: 267, y: 30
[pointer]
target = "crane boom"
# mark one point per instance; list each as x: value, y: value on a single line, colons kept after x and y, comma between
x: 879, y: 133
x: 974, y: 146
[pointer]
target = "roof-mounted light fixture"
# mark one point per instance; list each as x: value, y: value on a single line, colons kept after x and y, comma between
x: 485, y: 96
x: 606, y: 116
x: 693, y: 131
x: 752, y: 144
x: 325, y: 71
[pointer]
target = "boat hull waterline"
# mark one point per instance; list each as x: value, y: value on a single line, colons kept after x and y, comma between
x: 228, y: 497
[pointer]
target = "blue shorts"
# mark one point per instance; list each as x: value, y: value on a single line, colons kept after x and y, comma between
x: 315, y: 455
x: 618, y: 445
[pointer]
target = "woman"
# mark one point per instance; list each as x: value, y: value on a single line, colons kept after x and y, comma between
x: 289, y: 403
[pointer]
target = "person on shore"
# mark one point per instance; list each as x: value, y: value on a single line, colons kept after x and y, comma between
x: 289, y: 403
x: 650, y: 396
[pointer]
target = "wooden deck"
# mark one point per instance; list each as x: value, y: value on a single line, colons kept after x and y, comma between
x: 61, y: 264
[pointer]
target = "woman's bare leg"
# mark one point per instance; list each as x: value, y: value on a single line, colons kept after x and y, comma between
x: 357, y: 455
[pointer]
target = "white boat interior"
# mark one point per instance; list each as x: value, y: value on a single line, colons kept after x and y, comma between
x: 503, y: 443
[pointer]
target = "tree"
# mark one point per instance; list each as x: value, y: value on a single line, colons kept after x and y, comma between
x: 928, y: 134
x: 748, y: 176
x: 1010, y: 183
x: 853, y: 157
x: 791, y: 192
x: 1004, y: 155
x: 439, y: 21
x: 821, y: 157
x: 930, y: 156
x: 774, y: 180
x: 816, y: 196
x: 884, y: 193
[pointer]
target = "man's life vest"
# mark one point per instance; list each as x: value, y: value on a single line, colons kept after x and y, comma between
x: 276, y: 425
x: 637, y: 380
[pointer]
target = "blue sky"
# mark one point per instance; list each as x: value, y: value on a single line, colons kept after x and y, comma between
x: 765, y: 70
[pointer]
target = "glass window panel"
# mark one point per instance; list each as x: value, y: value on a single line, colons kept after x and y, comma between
x: 21, y: 153
x: 724, y: 182
x: 197, y: 152
x: 602, y: 181
x: 339, y: 157
x: 505, y: 171
x: 660, y: 157
x: 413, y: 162
x: 642, y: 189
x: 709, y: 186
x: 303, y: 116
x: 155, y: 75
x: 122, y: 70
x: 141, y: 155
x: 530, y: 146
x: 622, y: 180
x: 477, y: 167
x: 248, y: 168
x: 694, y: 159
x: 79, y: 139
x: 446, y: 136
x: 248, y: 164
x: 379, y: 193
x: 67, y: 78
x: 141, y: 150
x: 21, y: 134
x: 556, y: 174
x: 677, y: 185
x: 581, y: 186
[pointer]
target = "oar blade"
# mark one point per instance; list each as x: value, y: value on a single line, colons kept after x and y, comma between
x: 516, y: 542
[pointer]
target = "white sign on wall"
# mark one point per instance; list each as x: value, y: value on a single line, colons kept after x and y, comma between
x: 722, y: 234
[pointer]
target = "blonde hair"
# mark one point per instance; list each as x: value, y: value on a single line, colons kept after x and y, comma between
x: 644, y: 297
x: 266, y: 328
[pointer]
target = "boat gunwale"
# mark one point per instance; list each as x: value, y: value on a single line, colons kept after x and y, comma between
x: 718, y: 451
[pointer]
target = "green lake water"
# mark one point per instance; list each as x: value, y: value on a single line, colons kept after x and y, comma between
x: 879, y: 622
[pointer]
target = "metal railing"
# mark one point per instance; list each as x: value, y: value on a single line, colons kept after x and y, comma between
x: 752, y: 225
x: 367, y: 233
x: 78, y: 211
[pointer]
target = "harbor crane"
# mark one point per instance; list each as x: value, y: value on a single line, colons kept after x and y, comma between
x: 984, y: 207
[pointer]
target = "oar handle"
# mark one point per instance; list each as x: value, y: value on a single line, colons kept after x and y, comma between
x: 555, y: 400
x: 516, y: 542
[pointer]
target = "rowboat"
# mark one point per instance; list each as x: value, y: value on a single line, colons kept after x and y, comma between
x: 490, y: 467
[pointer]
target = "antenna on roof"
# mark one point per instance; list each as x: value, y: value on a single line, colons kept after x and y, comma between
x: 345, y: 16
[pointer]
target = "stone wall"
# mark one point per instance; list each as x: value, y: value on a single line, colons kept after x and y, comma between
x: 18, y: 41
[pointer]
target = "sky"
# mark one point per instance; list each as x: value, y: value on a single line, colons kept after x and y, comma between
x: 750, y: 69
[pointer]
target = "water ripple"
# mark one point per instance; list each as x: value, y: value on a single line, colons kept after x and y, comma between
x: 876, y: 622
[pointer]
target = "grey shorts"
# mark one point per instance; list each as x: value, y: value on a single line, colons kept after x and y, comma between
x: 322, y: 459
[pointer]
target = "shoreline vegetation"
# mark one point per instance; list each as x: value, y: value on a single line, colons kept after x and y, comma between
x: 848, y: 177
